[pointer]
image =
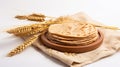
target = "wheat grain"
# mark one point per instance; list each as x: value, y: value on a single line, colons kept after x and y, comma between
x: 23, y: 46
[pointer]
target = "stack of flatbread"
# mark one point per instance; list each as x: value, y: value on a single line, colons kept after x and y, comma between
x: 110, y: 45
x: 76, y: 33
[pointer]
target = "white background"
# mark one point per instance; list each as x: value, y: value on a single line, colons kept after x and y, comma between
x: 105, y: 11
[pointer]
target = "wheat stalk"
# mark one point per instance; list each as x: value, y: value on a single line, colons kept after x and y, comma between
x: 23, y: 46
x: 107, y: 27
x: 32, y: 17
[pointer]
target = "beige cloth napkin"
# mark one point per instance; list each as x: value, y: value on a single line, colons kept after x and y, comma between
x: 110, y: 45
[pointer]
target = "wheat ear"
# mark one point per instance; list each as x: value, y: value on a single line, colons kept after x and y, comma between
x: 32, y: 17
x: 36, y: 30
x: 27, y: 30
x: 23, y: 46
x: 20, y: 29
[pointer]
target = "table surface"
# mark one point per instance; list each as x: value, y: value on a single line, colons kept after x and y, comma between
x: 105, y: 11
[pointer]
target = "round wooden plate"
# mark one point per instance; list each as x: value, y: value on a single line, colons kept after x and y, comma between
x: 72, y: 49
